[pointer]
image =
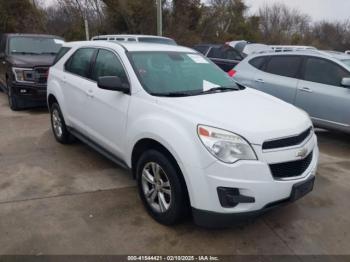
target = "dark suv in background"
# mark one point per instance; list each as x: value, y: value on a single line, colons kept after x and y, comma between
x: 224, y: 56
x: 24, y: 65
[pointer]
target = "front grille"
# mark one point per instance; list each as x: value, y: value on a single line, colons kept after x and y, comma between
x: 291, y: 169
x: 287, y: 142
x: 41, y: 74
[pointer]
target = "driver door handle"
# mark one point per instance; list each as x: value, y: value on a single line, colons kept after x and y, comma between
x: 90, y: 93
x: 305, y: 89
x: 260, y: 80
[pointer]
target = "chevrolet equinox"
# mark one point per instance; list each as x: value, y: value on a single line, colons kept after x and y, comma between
x: 196, y: 142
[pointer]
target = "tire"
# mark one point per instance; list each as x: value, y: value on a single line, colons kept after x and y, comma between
x: 167, y: 200
x: 13, y: 103
x: 58, y: 125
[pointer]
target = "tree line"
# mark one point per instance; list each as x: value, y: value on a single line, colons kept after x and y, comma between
x: 187, y: 21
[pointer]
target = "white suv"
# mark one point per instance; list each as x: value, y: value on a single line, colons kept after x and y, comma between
x: 195, y: 141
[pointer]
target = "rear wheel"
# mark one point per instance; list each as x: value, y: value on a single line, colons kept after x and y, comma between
x: 161, y: 188
x: 58, y: 124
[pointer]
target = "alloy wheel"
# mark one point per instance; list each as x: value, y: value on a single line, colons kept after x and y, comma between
x: 57, y: 123
x: 156, y: 187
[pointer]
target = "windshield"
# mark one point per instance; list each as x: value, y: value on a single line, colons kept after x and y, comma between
x: 163, y: 73
x: 346, y: 62
x: 157, y: 40
x: 34, y: 45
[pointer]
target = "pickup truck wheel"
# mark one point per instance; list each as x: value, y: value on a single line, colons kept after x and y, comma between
x: 11, y: 98
x: 161, y: 189
x: 58, y: 124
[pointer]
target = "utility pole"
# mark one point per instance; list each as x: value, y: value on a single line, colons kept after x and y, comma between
x: 159, y: 18
x: 86, y: 22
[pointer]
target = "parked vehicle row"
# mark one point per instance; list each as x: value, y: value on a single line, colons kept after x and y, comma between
x: 24, y: 64
x: 195, y: 140
x: 318, y: 82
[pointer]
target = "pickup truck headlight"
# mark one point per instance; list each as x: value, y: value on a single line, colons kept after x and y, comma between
x: 225, y: 146
x: 24, y: 74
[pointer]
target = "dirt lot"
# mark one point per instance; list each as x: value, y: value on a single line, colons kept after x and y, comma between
x: 58, y: 199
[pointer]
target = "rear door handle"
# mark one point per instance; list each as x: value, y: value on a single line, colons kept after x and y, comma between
x: 260, y: 80
x: 305, y: 89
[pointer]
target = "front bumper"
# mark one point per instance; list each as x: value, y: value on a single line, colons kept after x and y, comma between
x: 219, y: 220
x: 253, y: 179
x: 30, y: 94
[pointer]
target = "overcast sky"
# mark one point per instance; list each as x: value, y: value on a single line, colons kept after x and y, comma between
x: 317, y: 9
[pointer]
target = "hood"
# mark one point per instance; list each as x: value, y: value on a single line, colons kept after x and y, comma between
x: 31, y: 60
x: 249, y: 113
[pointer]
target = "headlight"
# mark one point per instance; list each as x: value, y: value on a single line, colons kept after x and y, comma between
x: 225, y: 146
x: 24, y: 74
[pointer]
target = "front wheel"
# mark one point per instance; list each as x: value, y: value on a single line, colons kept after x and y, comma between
x: 11, y: 98
x: 161, y: 188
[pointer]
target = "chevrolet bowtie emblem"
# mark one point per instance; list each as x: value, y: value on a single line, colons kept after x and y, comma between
x: 302, y: 153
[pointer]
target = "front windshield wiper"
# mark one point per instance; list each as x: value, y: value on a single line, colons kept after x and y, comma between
x: 220, y: 89
x: 25, y: 53
x: 173, y: 94
x: 48, y: 53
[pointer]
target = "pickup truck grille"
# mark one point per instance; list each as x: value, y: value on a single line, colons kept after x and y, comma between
x: 287, y: 142
x: 41, y: 74
x: 291, y: 169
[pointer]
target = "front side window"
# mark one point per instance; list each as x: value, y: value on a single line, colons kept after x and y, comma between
x: 284, y: 65
x: 108, y: 64
x: 80, y: 62
x: 324, y: 72
x: 164, y: 73
x: 258, y: 62
x: 34, y: 45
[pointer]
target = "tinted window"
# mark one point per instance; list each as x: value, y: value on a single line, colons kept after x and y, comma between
x: 201, y: 48
x: 131, y: 39
x: 79, y: 63
x: 324, y: 72
x: 227, y: 53
x: 284, y: 65
x: 215, y: 52
x: 258, y: 62
x: 60, y: 54
x: 108, y: 64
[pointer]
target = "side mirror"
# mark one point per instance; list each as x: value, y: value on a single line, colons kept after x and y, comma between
x: 112, y: 83
x: 345, y: 82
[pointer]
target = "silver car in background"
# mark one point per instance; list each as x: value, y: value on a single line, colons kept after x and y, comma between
x: 315, y: 81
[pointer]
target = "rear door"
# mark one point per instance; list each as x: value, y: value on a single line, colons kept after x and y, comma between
x: 225, y: 57
x: 321, y: 94
x: 77, y: 88
x: 279, y: 77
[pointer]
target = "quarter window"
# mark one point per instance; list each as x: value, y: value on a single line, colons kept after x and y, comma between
x: 108, y: 64
x: 284, y: 65
x: 324, y: 72
x: 80, y: 62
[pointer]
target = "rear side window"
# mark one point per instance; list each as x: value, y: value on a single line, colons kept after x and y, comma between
x: 284, y: 65
x: 108, y: 64
x: 60, y: 54
x: 215, y: 52
x: 80, y: 62
x: 202, y: 49
x: 258, y: 62
x: 324, y: 72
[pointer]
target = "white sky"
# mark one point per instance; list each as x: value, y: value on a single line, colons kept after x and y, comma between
x: 317, y: 9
